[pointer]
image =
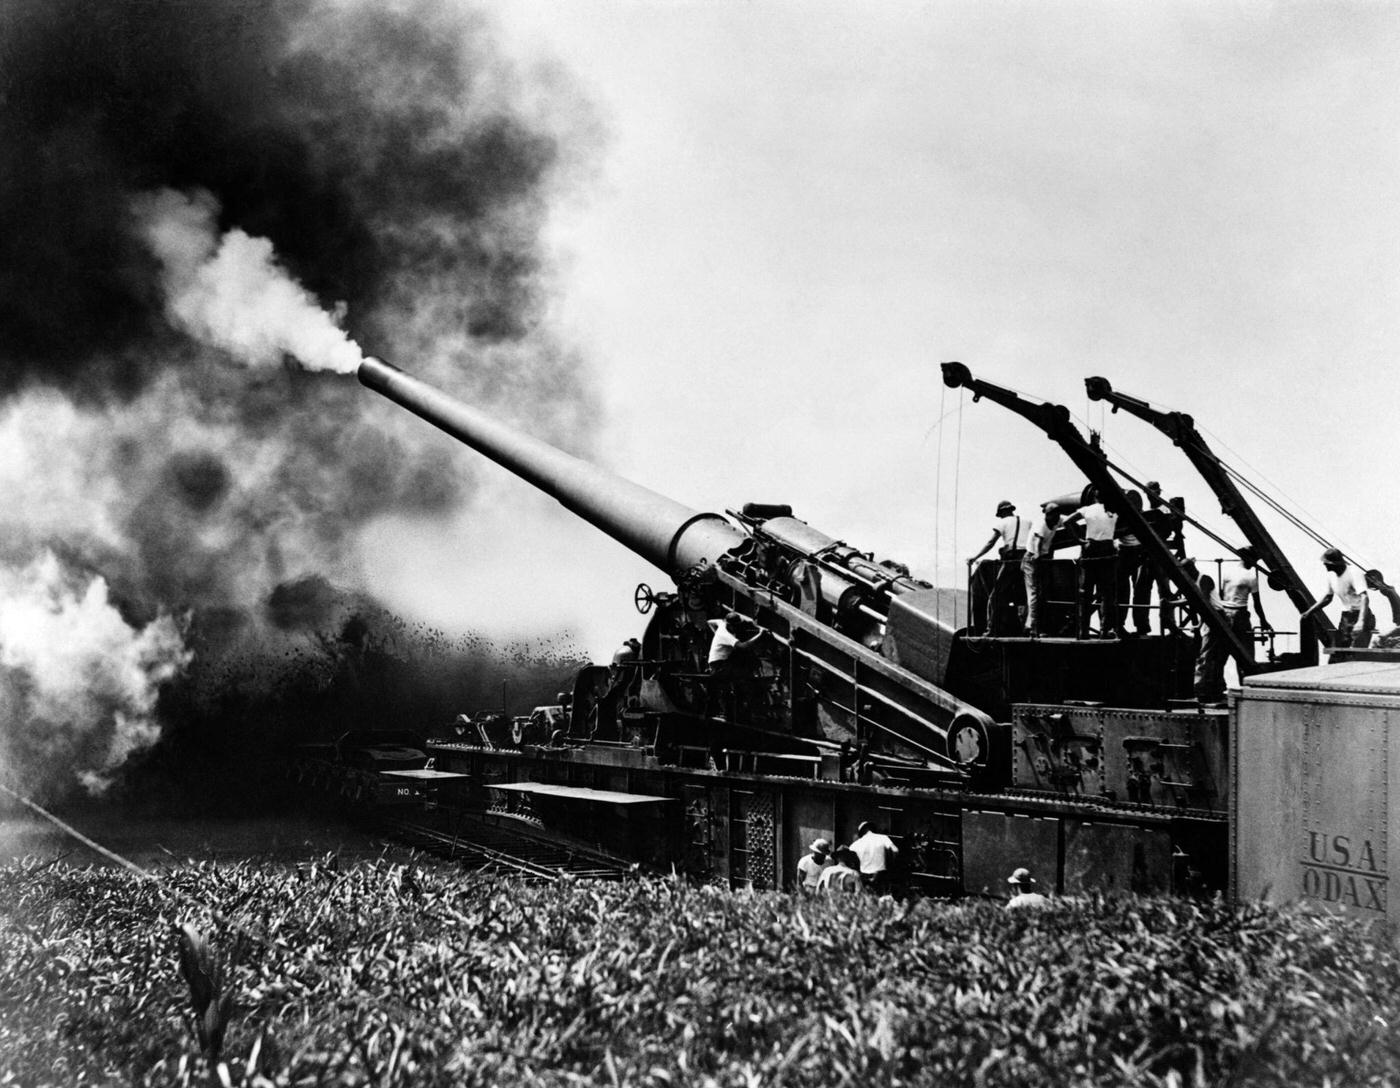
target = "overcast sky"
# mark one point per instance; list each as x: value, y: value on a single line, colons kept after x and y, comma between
x: 802, y: 208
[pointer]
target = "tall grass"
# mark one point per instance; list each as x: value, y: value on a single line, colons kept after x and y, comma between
x: 376, y: 974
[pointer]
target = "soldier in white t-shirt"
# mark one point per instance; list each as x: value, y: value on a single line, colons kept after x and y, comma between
x: 1376, y: 583
x: 1238, y: 587
x: 1040, y: 549
x: 993, y: 585
x: 1348, y: 586
x: 1098, y: 561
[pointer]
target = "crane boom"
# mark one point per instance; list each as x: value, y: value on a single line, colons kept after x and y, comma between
x: 1181, y: 429
x: 1054, y: 420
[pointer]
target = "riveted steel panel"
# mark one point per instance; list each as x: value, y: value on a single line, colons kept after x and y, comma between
x: 1151, y: 757
x: 995, y: 844
x: 1314, y: 815
x: 1116, y: 858
x: 809, y: 816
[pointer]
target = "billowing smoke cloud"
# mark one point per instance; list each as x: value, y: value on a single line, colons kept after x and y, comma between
x: 187, y: 182
x: 82, y: 680
x: 231, y: 293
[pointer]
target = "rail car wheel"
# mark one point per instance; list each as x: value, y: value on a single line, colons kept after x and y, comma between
x: 967, y: 742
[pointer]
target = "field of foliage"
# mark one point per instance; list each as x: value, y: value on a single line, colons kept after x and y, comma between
x: 381, y: 974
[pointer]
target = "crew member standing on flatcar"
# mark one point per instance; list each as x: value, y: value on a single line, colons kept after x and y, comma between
x: 1356, y: 622
x: 1376, y: 583
x: 1040, y: 549
x: 1214, y: 651
x: 1132, y: 592
x: 1098, y: 567
x: 1238, y: 586
x: 1164, y: 519
x: 994, y: 585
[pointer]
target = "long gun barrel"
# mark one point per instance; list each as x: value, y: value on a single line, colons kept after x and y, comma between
x: 666, y: 533
x: 859, y: 602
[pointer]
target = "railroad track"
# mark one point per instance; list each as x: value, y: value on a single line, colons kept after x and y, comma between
x: 477, y: 844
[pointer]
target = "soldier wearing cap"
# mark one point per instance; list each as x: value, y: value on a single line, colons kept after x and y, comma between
x: 1023, y: 893
x: 997, y: 587
x: 812, y: 865
x: 843, y: 878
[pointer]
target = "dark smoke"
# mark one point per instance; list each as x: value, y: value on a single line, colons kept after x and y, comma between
x: 389, y: 158
x: 348, y: 137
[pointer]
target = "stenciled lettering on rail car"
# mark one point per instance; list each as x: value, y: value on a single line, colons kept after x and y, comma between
x: 1343, y: 871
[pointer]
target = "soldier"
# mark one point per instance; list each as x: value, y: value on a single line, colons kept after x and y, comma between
x: 1023, y: 893
x: 1098, y: 564
x: 1238, y: 586
x: 1167, y: 521
x: 1213, y: 652
x: 993, y: 585
x: 1375, y: 580
x: 1040, y: 549
x: 812, y: 865
x: 843, y: 878
x: 1356, y: 622
x: 734, y: 636
x: 876, y: 853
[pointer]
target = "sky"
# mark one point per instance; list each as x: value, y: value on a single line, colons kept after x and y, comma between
x: 796, y: 211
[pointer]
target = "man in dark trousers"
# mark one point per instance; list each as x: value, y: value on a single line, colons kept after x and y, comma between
x: 877, y: 853
x: 733, y: 638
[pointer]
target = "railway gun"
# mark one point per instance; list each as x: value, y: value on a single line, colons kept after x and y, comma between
x: 1083, y: 758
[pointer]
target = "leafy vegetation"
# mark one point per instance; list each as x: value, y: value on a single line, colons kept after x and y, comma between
x: 391, y: 975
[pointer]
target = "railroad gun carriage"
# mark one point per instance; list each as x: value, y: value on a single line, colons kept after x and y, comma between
x: 1085, y: 759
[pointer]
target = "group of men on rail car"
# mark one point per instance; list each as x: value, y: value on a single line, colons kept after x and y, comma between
x: 1116, y: 581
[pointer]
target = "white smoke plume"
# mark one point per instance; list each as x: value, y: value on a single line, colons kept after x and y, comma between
x: 80, y: 684
x: 231, y: 293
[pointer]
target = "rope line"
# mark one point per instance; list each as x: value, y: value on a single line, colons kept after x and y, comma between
x: 957, y: 483
x: 73, y: 832
x: 938, y: 491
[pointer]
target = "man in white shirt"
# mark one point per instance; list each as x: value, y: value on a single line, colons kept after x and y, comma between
x: 733, y: 637
x: 1023, y: 893
x: 843, y: 878
x: 1376, y: 583
x: 1098, y: 561
x: 876, y: 852
x: 1356, y: 622
x: 1238, y: 586
x: 1040, y: 549
x: 1213, y: 653
x: 811, y: 867
x: 994, y: 582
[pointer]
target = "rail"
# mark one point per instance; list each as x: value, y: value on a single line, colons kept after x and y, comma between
x: 477, y: 844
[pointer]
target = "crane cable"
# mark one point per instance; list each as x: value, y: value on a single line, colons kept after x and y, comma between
x: 1273, y: 503
x: 1276, y: 505
x: 938, y: 492
x: 1288, y: 515
x: 1206, y: 530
